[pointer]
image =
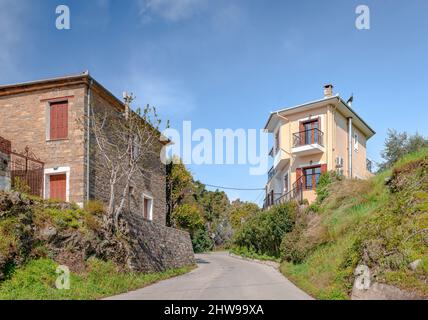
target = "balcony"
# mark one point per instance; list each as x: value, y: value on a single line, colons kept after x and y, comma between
x: 308, y: 142
x: 280, y: 159
x: 271, y: 173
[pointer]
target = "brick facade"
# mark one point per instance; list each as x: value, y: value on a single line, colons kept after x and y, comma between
x: 24, y: 120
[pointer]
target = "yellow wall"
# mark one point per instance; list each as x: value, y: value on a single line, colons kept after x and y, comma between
x: 335, y: 140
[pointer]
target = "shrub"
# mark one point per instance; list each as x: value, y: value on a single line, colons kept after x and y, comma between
x: 326, y: 179
x: 94, y: 207
x: 188, y: 217
x: 19, y: 185
x: 202, y: 242
x: 263, y: 232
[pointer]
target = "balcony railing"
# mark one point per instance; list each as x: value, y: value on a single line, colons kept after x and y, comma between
x: 369, y: 165
x: 311, y: 136
x: 271, y: 173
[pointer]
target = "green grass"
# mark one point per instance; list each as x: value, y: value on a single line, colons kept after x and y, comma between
x: 36, y: 281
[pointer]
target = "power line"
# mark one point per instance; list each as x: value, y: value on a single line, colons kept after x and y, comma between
x: 231, y: 188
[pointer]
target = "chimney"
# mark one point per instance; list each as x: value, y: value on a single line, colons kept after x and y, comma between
x: 328, y: 90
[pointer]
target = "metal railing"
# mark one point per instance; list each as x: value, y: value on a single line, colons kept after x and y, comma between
x: 26, y: 169
x: 271, y: 173
x: 311, y: 136
x: 369, y: 165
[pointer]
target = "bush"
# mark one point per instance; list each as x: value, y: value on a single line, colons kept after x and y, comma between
x: 324, y: 182
x: 202, y: 242
x: 94, y: 207
x: 188, y: 217
x: 263, y: 232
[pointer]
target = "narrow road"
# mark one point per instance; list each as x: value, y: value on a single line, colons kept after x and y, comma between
x: 222, y: 277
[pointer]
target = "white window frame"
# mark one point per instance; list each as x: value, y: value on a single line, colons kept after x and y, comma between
x: 55, y: 171
x: 288, y: 182
x: 150, y: 198
x: 356, y: 141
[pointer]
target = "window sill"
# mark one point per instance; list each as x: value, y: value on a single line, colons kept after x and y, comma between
x: 55, y: 140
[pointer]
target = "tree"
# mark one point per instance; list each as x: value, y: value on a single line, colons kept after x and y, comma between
x: 179, y: 184
x: 124, y: 143
x: 188, y: 217
x: 398, y: 144
x: 241, y: 211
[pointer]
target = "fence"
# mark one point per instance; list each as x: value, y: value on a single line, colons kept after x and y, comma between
x: 27, y: 170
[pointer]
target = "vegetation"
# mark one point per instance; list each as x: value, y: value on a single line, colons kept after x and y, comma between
x: 36, y: 281
x: 37, y: 235
x: 399, y: 144
x: 208, y: 216
x: 382, y: 223
x: 262, y: 233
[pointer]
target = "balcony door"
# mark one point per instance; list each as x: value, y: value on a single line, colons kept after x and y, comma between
x: 309, y: 131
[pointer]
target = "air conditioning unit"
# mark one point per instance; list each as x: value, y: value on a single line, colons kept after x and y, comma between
x: 339, y: 162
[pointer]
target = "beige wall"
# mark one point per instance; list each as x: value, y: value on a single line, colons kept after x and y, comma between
x: 340, y: 147
x: 24, y: 121
x: 335, y: 140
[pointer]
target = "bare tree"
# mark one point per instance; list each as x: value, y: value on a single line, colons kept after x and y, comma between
x: 124, y: 142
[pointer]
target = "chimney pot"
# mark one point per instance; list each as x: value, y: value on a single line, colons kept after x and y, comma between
x: 328, y: 90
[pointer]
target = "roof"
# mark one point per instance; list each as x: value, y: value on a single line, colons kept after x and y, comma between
x: 337, y: 101
x: 63, y: 81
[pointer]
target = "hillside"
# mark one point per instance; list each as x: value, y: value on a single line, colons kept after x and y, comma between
x: 36, y: 236
x: 381, y: 223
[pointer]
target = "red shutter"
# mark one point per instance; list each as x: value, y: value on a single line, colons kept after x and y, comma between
x: 323, y: 168
x: 302, y: 134
x: 59, y: 120
x: 57, y: 187
x: 298, y: 176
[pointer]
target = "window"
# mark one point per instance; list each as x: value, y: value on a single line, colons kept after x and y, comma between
x: 286, y: 183
x: 58, y: 120
x: 277, y: 141
x: 356, y: 141
x: 309, y: 132
x: 311, y: 177
x: 147, y: 207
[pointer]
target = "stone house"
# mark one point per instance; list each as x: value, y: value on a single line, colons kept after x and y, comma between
x: 312, y: 138
x: 47, y: 115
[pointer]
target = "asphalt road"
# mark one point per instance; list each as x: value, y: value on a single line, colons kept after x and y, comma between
x: 221, y: 277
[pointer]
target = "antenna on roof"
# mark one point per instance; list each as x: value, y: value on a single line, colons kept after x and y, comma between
x: 350, y: 100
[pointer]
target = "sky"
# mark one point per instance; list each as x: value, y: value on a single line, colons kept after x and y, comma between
x: 229, y: 63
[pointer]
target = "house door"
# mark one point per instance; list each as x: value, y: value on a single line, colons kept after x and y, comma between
x: 57, y: 187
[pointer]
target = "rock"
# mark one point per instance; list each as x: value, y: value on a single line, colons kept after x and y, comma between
x: 414, y: 265
x: 48, y: 233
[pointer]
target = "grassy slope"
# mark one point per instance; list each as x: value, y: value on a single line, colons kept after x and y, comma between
x: 35, y: 278
x: 36, y: 281
x: 361, y: 221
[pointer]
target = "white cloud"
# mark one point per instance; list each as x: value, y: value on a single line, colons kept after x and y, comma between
x: 170, y: 10
x: 168, y: 96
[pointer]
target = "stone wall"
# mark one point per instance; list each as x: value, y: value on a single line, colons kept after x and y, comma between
x: 157, y: 247
x: 150, y: 181
x: 5, y: 147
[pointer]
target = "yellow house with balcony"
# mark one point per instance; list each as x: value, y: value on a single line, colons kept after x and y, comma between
x: 312, y: 138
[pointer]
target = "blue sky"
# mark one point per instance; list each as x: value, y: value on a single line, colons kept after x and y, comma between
x: 227, y: 64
